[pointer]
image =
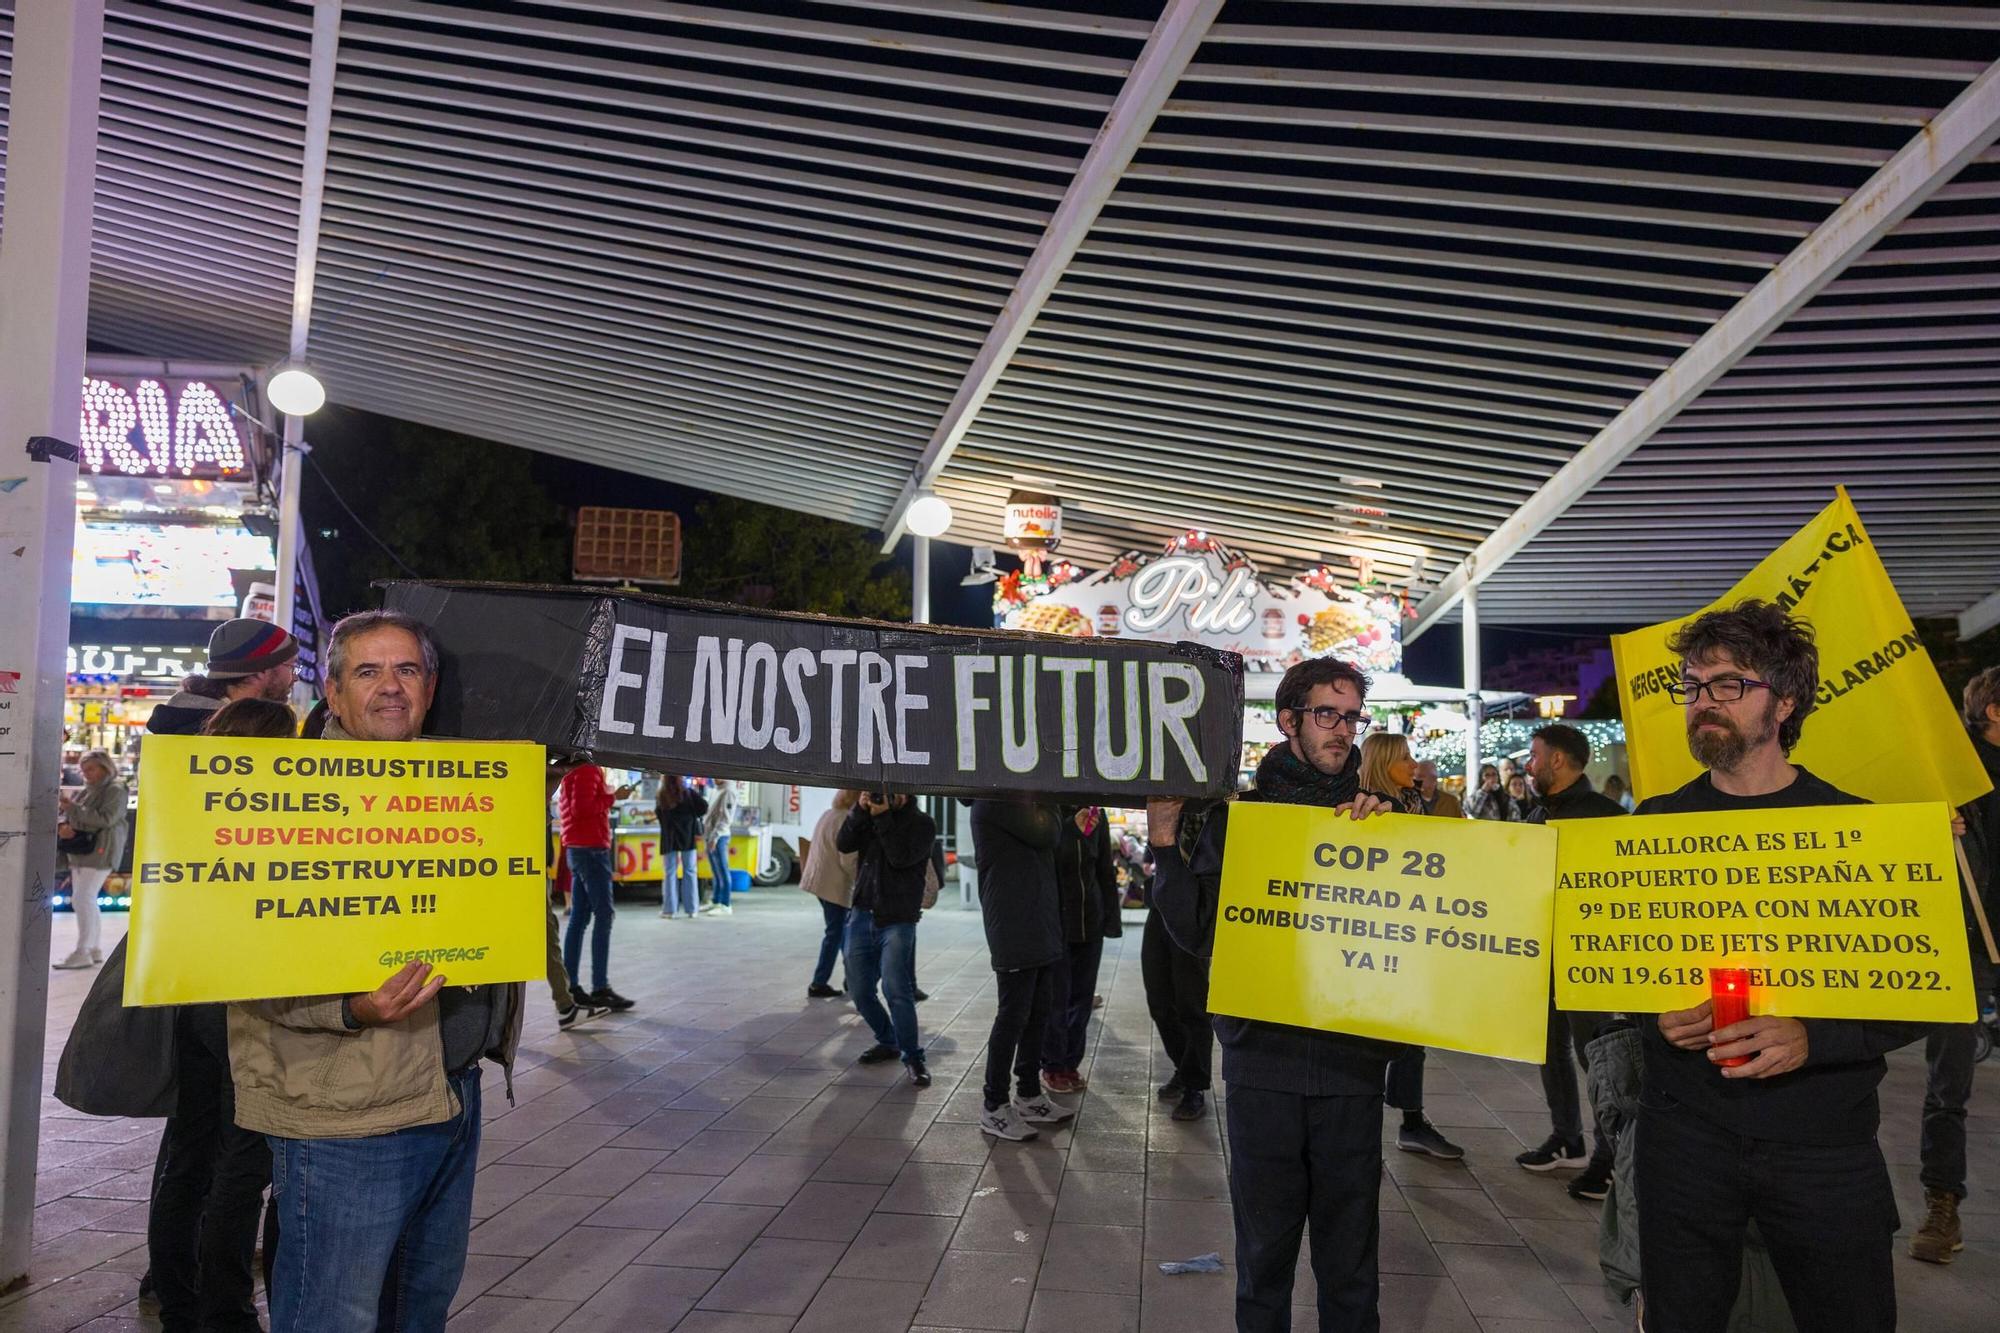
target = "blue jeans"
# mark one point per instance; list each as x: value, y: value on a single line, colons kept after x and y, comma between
x: 829, y: 944
x: 372, y: 1231
x: 590, y: 906
x: 681, y: 886
x: 718, y: 866
x: 885, y: 954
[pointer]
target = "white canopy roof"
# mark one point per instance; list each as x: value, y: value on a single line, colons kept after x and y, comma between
x: 1502, y: 285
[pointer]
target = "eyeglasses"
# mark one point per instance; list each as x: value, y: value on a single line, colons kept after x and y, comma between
x: 1723, y: 689
x: 1328, y: 718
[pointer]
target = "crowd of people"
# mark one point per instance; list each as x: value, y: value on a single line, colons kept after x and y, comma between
x: 1748, y: 1149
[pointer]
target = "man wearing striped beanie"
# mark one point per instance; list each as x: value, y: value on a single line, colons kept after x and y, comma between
x: 247, y: 659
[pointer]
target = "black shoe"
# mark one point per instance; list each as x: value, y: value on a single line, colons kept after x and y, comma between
x: 1421, y: 1136
x: 1193, y: 1106
x: 920, y: 1073
x: 1171, y: 1090
x: 606, y: 998
x: 578, y: 1009
x: 1594, y: 1184
x: 1555, y: 1154
x: 923, y: 995
x: 821, y: 991
x: 878, y: 1054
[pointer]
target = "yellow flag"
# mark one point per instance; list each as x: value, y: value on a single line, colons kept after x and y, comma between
x: 1885, y: 727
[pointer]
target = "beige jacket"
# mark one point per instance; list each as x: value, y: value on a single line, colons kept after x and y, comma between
x: 302, y: 1073
x: 99, y: 809
x: 829, y: 872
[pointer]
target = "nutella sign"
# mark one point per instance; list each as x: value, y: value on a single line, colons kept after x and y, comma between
x: 1033, y: 521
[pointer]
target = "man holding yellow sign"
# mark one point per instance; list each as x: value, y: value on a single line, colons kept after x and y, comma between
x: 1305, y: 1104
x: 369, y: 1099
x: 1755, y: 1116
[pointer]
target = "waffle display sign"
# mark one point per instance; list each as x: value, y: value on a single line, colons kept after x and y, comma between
x: 1201, y: 590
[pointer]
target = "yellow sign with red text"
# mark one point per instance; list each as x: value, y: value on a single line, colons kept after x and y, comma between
x: 269, y: 868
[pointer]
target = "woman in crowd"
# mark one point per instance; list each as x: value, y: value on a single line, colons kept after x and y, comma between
x: 96, y: 813
x: 1087, y: 888
x: 1389, y: 770
x: 716, y: 829
x: 829, y: 877
x: 1490, y: 801
x: 1518, y: 801
x: 679, y: 809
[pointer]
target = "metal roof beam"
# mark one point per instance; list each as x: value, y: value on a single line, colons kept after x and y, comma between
x: 1957, y: 135
x: 1525, y: 132
x: 1981, y: 616
x: 1506, y: 46
x: 1175, y: 39
x: 1783, y: 11
x: 1401, y: 88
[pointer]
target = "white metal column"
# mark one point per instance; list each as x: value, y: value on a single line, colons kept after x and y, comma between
x: 920, y: 580
x: 44, y: 305
x: 1475, y: 707
x: 305, y: 267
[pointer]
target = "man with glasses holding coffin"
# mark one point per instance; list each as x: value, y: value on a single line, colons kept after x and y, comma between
x: 1305, y: 1106
x: 1786, y: 1140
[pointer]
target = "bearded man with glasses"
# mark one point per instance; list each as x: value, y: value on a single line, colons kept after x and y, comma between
x: 1305, y: 1106
x: 1787, y: 1140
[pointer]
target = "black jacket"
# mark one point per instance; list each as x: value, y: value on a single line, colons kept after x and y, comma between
x: 680, y: 827
x: 1982, y: 850
x: 1015, y: 846
x: 1086, y: 881
x: 1277, y: 1057
x: 892, y: 850
x: 183, y: 715
x: 1831, y: 1100
x: 1576, y: 801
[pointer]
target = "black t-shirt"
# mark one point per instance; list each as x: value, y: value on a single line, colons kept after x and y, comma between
x: 1831, y: 1100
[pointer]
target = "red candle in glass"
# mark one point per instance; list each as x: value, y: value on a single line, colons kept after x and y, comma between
x: 1729, y: 989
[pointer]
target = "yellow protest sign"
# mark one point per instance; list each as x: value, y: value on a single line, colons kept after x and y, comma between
x: 268, y: 868
x: 1407, y: 928
x: 1838, y: 911
x: 1885, y: 727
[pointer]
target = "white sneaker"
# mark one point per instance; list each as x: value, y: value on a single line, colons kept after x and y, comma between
x: 97, y: 955
x: 713, y: 910
x: 1005, y: 1123
x: 1042, y: 1111
x: 74, y: 961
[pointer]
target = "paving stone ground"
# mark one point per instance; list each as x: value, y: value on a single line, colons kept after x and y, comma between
x: 715, y: 1162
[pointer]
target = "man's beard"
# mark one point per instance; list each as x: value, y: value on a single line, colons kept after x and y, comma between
x: 275, y: 691
x: 1725, y: 749
x: 1329, y: 758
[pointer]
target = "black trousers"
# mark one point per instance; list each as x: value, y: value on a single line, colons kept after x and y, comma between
x: 1827, y: 1216
x: 1404, y: 1085
x: 1948, y: 1088
x: 1072, y: 987
x: 1295, y: 1159
x: 201, y: 1230
x: 1018, y: 1028
x: 1946, y: 1091
x: 1177, y: 997
x: 1569, y: 1035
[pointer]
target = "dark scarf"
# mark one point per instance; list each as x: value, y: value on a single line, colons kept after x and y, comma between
x: 1285, y: 778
